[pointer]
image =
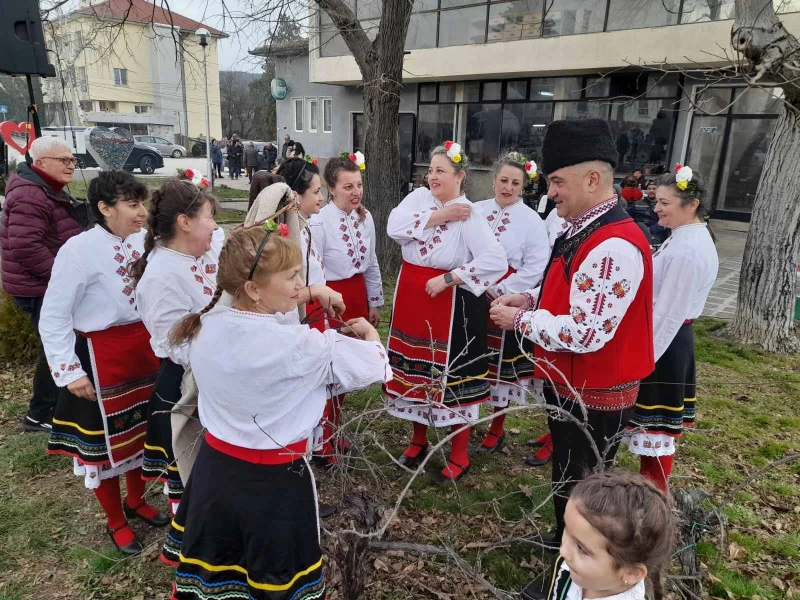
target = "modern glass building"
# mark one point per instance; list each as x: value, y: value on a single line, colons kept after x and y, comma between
x: 492, y: 75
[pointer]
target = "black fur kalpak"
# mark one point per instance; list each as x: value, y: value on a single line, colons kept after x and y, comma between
x: 576, y: 141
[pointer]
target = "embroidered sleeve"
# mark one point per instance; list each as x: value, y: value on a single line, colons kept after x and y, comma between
x: 601, y: 291
x: 407, y: 221
x: 534, y: 260
x: 162, y: 305
x: 681, y: 281
x: 372, y: 276
x: 64, y: 292
x: 488, y: 262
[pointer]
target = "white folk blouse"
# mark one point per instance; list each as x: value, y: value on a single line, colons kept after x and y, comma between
x: 468, y: 248
x: 684, y: 270
x: 312, y: 257
x: 523, y: 235
x: 89, y: 290
x: 591, y: 324
x: 348, y: 248
x: 263, y: 379
x: 174, y: 285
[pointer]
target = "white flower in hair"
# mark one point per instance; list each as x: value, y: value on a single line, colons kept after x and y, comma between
x: 683, y: 177
x: 196, y: 177
x: 531, y: 169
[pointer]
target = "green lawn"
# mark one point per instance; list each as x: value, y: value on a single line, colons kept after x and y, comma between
x: 225, y: 215
x: 53, y: 545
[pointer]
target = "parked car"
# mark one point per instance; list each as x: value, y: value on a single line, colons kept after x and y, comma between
x: 164, y: 146
x: 143, y: 157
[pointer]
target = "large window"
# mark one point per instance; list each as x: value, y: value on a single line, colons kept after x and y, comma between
x: 728, y: 143
x: 298, y: 114
x: 120, y: 76
x: 492, y: 117
x: 327, y: 115
x: 441, y: 23
x: 313, y: 114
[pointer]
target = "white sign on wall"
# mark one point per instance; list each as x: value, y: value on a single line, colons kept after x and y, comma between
x: 76, y: 139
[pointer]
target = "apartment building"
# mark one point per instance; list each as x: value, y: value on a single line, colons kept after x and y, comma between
x: 133, y: 64
x: 492, y: 74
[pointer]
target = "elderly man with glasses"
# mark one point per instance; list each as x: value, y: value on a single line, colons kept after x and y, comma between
x: 38, y: 217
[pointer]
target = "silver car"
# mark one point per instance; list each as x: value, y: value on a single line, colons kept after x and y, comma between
x: 164, y: 146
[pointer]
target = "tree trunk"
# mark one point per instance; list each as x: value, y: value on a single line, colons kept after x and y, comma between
x: 765, y: 314
x: 381, y: 66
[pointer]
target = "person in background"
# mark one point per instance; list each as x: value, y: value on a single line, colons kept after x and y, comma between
x: 216, y: 160
x: 643, y: 212
x: 278, y: 162
x: 641, y: 180
x: 270, y: 155
x: 259, y: 181
x: 235, y: 155
x: 99, y: 354
x: 251, y: 159
x: 684, y: 270
x: 287, y: 147
x: 39, y: 216
x: 630, y: 190
x: 298, y: 151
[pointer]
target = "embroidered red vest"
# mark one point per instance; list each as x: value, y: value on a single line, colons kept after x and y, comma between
x: 629, y: 355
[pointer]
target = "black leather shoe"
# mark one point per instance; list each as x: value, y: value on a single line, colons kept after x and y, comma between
x: 160, y: 520
x: 132, y: 548
x: 413, y: 463
x: 534, y: 443
x: 501, y: 439
x: 534, y: 461
x: 440, y: 478
x: 535, y: 590
x: 327, y: 510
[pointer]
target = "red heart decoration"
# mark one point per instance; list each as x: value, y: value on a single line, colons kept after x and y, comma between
x: 9, y: 127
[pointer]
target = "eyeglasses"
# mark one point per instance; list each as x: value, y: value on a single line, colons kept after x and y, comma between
x: 64, y: 160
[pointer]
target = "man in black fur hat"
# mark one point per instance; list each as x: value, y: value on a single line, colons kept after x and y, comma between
x: 591, y: 319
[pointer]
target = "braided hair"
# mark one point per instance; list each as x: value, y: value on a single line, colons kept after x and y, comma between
x: 174, y: 198
x: 634, y: 517
x: 235, y: 261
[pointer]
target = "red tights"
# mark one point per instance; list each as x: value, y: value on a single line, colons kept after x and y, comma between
x: 657, y: 469
x: 109, y: 497
x: 459, y: 458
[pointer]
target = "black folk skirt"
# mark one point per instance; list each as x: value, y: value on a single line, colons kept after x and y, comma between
x: 666, y: 400
x: 159, y: 458
x: 246, y: 531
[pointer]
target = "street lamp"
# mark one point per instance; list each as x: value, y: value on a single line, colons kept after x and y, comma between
x: 203, y: 34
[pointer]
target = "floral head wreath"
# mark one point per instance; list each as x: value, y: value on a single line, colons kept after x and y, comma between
x: 683, y: 180
x: 270, y: 227
x: 530, y: 167
x: 195, y: 177
x: 311, y: 160
x: 357, y: 158
x: 453, y: 151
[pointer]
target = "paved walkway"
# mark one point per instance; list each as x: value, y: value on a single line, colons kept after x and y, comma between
x: 731, y: 237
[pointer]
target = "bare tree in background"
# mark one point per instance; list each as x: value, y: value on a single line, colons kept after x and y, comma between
x: 765, y: 313
x: 238, y: 104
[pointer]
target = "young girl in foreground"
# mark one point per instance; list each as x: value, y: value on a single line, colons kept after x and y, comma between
x: 619, y: 531
x: 247, y: 523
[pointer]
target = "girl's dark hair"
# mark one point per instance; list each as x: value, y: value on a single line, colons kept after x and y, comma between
x: 511, y: 159
x: 261, y: 180
x: 336, y: 165
x: 235, y: 260
x: 630, y: 181
x: 695, y: 191
x: 175, y: 197
x: 298, y: 174
x: 633, y: 515
x: 298, y: 147
x: 112, y: 187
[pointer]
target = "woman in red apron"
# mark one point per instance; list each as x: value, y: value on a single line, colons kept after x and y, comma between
x: 344, y: 233
x: 437, y: 339
x: 523, y: 235
x: 100, y: 356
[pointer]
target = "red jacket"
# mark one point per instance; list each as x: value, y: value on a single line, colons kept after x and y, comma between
x: 628, y: 356
x: 35, y: 223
